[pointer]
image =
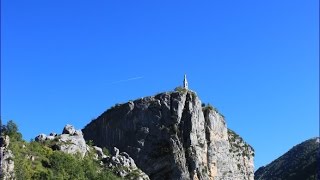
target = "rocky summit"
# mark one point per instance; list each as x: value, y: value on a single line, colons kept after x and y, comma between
x: 173, y: 136
x: 300, y: 162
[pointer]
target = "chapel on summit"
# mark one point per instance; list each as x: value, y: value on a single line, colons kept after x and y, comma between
x: 185, y: 82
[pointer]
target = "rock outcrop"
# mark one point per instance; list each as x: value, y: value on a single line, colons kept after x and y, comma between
x: 300, y: 162
x: 99, y: 152
x: 171, y: 136
x: 6, y: 159
x: 70, y: 141
x: 68, y: 129
x: 124, y: 165
x: 41, y: 137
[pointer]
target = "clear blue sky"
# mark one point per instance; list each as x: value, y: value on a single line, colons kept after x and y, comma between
x: 256, y: 61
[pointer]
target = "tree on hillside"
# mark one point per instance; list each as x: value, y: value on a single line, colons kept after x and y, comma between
x: 11, y: 129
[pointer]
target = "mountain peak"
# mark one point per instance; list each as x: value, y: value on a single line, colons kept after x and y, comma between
x: 171, y: 136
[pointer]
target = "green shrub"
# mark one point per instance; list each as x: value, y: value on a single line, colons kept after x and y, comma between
x: 180, y: 89
x: 105, y: 151
x: 66, y: 166
x: 207, y: 107
x: 90, y: 142
x: 193, y: 94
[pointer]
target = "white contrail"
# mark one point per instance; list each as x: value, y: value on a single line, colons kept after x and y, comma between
x: 125, y: 80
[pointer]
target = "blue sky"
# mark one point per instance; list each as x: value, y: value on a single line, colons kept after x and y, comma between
x: 256, y: 61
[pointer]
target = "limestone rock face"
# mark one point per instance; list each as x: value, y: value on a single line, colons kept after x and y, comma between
x: 72, y: 144
x: 68, y: 129
x: 99, y: 153
x: 171, y: 136
x: 123, y: 164
x: 6, y: 159
x: 70, y: 141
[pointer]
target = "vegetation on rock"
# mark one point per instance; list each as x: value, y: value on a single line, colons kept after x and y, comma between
x: 37, y: 160
x: 209, y: 107
x: 300, y: 162
x: 181, y: 89
x: 238, y: 144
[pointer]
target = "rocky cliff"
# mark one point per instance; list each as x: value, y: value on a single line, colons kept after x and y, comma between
x: 300, y: 162
x: 6, y: 159
x: 171, y: 136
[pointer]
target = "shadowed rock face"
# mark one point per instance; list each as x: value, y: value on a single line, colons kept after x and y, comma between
x: 300, y: 162
x: 169, y: 136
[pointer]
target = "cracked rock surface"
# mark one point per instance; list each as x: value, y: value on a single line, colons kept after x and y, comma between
x: 171, y: 136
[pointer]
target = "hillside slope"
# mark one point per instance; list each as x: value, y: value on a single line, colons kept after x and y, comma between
x: 300, y: 162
